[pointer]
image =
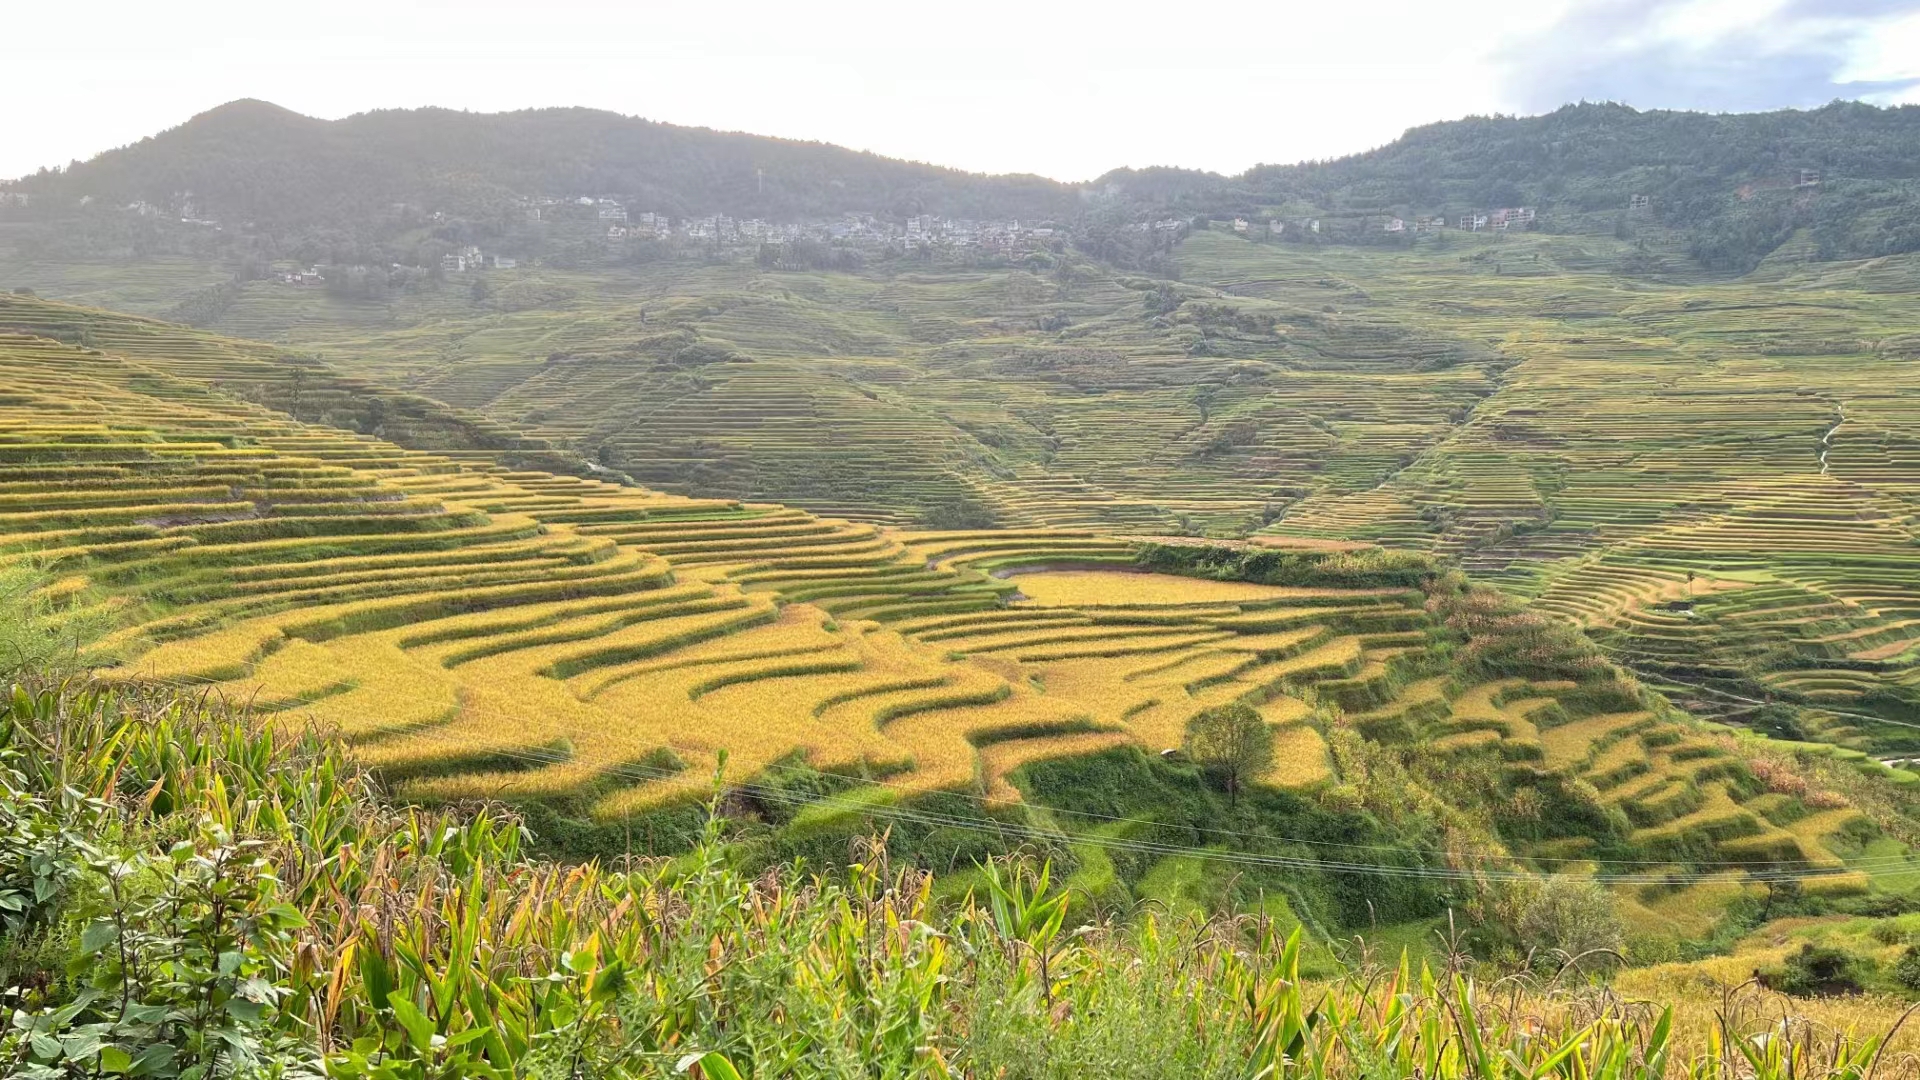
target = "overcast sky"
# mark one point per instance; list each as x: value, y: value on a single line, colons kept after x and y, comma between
x: 1067, y: 90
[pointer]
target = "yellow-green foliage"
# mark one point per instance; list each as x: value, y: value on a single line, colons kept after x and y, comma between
x: 359, y: 918
x: 481, y: 630
x: 1107, y: 588
x: 550, y: 635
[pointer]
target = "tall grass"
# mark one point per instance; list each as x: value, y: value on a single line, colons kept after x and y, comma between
x: 40, y: 632
x: 184, y: 892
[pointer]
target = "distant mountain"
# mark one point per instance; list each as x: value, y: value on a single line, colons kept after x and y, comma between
x: 1736, y: 184
x: 1731, y: 187
x: 251, y: 161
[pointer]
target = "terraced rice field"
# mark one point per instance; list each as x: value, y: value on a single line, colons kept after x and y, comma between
x: 1719, y: 479
x: 1686, y: 796
x: 1094, y: 427
x: 477, y: 629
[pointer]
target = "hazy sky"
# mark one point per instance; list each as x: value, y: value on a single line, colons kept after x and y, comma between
x: 1064, y: 89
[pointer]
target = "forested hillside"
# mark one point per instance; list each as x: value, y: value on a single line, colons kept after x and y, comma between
x: 1737, y: 184
x: 1734, y: 186
x: 253, y: 162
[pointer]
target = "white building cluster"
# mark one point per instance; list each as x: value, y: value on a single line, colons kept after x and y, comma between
x: 472, y: 258
x: 1508, y: 218
x: 867, y: 231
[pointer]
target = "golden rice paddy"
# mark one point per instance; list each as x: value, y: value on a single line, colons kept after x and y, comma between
x: 484, y: 631
x: 1117, y: 588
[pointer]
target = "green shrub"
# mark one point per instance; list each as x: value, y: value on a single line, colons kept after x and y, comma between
x: 1572, y: 921
x: 1364, y: 568
x: 39, y: 635
x: 185, y: 893
x: 1906, y: 970
x: 1779, y: 721
x: 1821, y: 971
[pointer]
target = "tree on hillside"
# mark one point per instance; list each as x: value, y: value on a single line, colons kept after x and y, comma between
x: 1064, y: 275
x: 1782, y: 893
x: 1572, y: 920
x: 1231, y: 743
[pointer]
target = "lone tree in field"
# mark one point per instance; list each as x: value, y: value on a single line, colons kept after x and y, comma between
x: 1231, y: 743
x: 1572, y: 920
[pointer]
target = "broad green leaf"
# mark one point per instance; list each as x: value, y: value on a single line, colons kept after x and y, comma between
x: 97, y: 936
x: 419, y: 1028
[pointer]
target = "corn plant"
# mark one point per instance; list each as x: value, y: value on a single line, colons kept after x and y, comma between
x: 225, y: 899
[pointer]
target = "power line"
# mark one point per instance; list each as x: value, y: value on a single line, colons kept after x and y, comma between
x: 619, y: 767
x: 1731, y: 696
x: 640, y: 773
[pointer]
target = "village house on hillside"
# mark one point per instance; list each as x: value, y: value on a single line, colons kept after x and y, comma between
x: 1512, y: 217
x: 913, y: 233
x: 457, y: 262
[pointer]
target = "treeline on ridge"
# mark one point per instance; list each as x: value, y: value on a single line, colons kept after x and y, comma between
x: 1734, y: 187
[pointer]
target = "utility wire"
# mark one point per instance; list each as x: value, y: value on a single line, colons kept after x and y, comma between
x: 609, y: 764
x: 631, y: 771
x: 1267, y: 860
x: 1731, y: 696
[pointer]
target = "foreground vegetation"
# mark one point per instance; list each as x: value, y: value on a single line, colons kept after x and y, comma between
x: 184, y: 892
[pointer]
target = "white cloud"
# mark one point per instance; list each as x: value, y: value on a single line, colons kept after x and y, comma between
x: 1721, y: 55
x: 1889, y: 54
x: 1707, y: 22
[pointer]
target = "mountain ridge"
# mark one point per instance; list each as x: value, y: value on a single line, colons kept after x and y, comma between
x: 1733, y: 186
x: 409, y: 155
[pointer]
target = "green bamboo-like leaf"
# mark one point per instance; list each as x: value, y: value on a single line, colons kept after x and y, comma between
x: 418, y: 1027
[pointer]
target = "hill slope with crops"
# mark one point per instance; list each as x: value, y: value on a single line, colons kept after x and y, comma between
x: 1268, y: 597
x: 592, y: 652
x: 1714, y: 477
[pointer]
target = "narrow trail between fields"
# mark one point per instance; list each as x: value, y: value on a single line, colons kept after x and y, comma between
x: 1826, y: 440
